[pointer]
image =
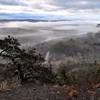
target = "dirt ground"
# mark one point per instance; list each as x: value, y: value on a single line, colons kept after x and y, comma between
x: 46, y: 92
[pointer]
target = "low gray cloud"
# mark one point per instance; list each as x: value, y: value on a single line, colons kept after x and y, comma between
x: 61, y: 4
x: 67, y: 8
x: 11, y: 2
x: 77, y: 4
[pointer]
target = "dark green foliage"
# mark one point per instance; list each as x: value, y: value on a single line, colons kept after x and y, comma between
x: 28, y: 64
x: 10, y: 47
x: 58, y: 48
x: 61, y: 77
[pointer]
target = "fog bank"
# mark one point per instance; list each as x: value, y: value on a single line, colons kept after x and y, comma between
x: 31, y: 33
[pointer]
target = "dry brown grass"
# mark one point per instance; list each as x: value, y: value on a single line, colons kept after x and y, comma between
x: 4, y: 86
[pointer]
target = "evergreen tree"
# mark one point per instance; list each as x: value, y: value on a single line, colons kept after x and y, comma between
x: 28, y: 63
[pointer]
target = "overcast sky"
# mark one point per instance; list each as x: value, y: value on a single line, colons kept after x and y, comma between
x: 50, y: 9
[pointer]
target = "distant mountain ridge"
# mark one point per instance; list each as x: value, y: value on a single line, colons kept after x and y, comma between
x: 85, y: 47
x: 30, y: 20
